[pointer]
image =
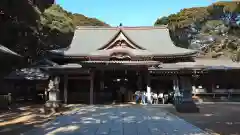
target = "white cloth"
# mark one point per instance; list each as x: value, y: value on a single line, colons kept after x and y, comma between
x: 155, y: 96
x: 137, y: 93
x: 148, y: 94
x: 148, y: 97
x: 160, y: 95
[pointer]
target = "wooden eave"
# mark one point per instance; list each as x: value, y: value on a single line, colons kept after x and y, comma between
x: 154, y: 56
x: 176, y: 56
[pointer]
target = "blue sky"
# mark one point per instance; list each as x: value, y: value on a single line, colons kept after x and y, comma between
x: 129, y: 12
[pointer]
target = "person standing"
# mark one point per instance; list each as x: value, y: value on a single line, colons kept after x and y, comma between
x: 155, y: 98
x: 143, y: 98
x: 137, y: 96
x: 160, y: 96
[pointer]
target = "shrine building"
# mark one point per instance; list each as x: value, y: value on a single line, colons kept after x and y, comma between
x: 100, y: 60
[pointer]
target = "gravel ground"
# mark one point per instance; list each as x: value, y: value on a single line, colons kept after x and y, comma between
x: 221, y: 118
x: 25, y: 117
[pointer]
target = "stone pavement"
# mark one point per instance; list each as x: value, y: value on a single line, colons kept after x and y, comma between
x: 118, y: 120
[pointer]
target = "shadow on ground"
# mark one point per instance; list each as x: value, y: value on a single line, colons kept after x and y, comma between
x: 117, y: 119
x: 23, y: 117
x: 219, y: 118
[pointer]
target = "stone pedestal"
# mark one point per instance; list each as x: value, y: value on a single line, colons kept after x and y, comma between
x: 187, y: 107
x: 183, y: 97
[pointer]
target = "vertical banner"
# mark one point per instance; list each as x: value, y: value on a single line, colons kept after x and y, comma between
x: 149, y: 94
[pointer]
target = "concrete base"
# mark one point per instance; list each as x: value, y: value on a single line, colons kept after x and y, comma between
x: 187, y: 107
x: 53, y: 104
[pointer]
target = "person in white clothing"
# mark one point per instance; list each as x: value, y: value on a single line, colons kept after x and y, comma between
x: 155, y: 98
x: 160, y: 96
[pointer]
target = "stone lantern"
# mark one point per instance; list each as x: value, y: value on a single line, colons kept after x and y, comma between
x: 53, y: 93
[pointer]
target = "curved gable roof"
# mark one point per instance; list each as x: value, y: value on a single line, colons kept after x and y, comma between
x: 155, y: 40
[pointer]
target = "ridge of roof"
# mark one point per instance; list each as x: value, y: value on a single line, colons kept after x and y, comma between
x: 126, y: 36
x: 121, y: 27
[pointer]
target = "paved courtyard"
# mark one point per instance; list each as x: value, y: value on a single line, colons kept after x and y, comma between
x: 221, y: 118
x: 118, y: 120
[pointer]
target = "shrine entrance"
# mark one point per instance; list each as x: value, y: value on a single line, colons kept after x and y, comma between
x: 119, y: 86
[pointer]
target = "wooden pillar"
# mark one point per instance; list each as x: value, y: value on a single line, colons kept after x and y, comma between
x: 91, y: 87
x: 139, y: 81
x: 97, y: 94
x: 102, y: 80
x: 65, y: 88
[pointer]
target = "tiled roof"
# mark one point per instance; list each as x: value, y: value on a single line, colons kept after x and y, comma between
x: 207, y: 64
x: 217, y: 63
x: 87, y: 40
x: 199, y: 64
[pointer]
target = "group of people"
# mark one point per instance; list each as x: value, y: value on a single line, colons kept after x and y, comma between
x: 140, y: 97
x: 150, y: 98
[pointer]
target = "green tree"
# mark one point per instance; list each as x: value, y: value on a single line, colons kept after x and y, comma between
x: 31, y: 28
x: 162, y: 21
x: 57, y: 18
x: 236, y: 56
x: 81, y: 20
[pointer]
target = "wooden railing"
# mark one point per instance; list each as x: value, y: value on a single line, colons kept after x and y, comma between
x: 218, y: 92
